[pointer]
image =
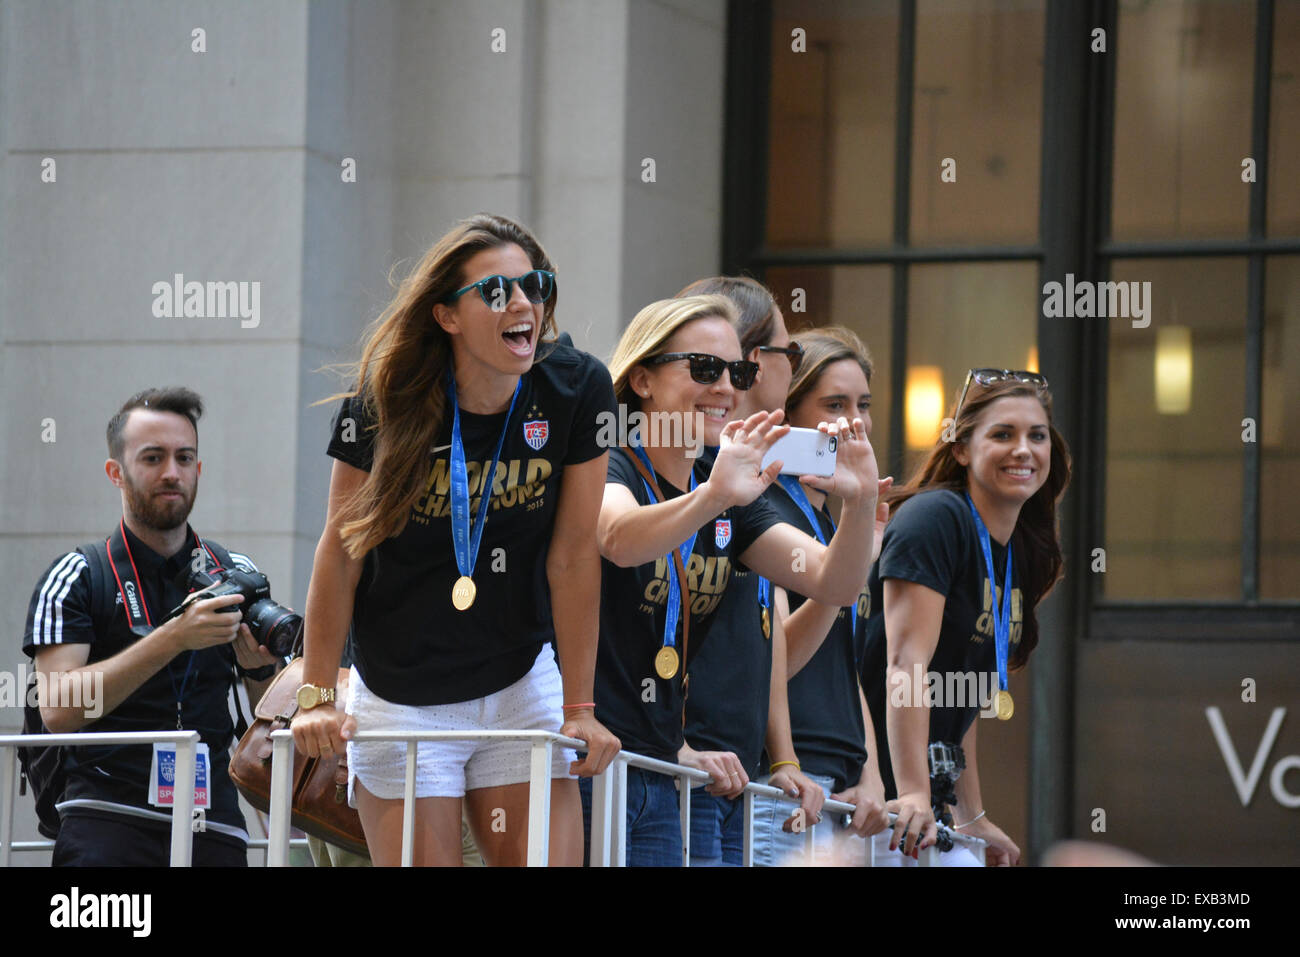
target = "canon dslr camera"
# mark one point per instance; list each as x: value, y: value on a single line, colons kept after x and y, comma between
x: 271, y: 623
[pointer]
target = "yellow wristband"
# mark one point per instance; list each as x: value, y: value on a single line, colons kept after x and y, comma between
x: 772, y: 769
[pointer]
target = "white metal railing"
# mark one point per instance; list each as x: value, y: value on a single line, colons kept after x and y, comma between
x: 927, y: 858
x: 609, y: 805
x: 182, y: 791
x: 608, y: 838
x: 539, y: 797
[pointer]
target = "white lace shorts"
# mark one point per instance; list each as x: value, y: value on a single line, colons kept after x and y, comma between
x: 450, y: 768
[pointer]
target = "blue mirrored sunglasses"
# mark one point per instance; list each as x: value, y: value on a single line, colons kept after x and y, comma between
x: 538, y: 286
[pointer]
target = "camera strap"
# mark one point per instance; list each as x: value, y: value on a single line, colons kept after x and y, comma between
x: 122, y: 562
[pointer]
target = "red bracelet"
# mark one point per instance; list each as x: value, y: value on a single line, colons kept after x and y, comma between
x: 585, y: 704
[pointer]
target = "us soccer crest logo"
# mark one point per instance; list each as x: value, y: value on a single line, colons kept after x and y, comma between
x: 536, y: 433
x: 722, y: 532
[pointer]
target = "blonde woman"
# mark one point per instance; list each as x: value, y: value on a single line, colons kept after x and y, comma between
x: 458, y: 545
x: 680, y: 361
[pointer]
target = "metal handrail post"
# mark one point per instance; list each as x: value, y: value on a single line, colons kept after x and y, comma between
x: 8, y: 790
x: 539, y: 803
x: 684, y: 811
x: 408, y: 804
x: 280, y: 810
x: 183, y: 774
x: 747, y: 855
x: 619, y: 830
x: 602, y: 816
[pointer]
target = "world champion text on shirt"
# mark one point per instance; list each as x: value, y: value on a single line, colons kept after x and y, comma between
x: 514, y: 483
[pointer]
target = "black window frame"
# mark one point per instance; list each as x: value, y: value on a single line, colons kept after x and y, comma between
x: 1074, y: 236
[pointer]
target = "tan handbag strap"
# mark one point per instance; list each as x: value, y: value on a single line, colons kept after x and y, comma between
x: 685, y: 589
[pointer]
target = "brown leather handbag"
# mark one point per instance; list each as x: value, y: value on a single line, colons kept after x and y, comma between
x: 320, y: 785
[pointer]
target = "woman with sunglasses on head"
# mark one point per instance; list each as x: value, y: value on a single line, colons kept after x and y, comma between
x: 828, y: 732
x: 971, y: 549
x: 459, y: 544
x: 737, y: 677
x: 679, y: 362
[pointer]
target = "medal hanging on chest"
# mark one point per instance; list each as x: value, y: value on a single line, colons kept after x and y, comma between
x: 464, y: 541
x: 667, y: 660
x: 765, y: 606
x: 1001, y: 616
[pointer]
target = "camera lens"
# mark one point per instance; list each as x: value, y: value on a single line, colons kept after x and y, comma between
x: 273, y: 625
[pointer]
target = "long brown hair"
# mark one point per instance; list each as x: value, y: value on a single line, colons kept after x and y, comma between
x: 1036, y: 536
x: 400, y: 379
x: 821, y: 347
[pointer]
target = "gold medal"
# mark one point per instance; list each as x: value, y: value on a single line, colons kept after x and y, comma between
x: 666, y: 662
x: 767, y: 623
x: 463, y: 592
x: 1006, y: 707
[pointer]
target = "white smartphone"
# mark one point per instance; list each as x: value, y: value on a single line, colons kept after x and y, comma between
x: 803, y: 452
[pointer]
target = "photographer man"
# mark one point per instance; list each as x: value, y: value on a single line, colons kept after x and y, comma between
x: 99, y: 620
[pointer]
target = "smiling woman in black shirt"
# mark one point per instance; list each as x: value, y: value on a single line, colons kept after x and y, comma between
x: 459, y: 543
x: 970, y: 551
x: 679, y: 364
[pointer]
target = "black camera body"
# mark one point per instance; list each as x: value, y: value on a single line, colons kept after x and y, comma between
x: 271, y: 623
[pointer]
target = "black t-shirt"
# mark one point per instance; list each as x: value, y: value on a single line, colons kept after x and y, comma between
x: 644, y: 710
x: 932, y: 540
x: 731, y: 676
x: 411, y: 645
x: 825, y: 713
x: 60, y: 612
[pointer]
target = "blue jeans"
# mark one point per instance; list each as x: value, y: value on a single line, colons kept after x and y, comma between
x: 717, y: 830
x: 654, y: 827
x: 774, y: 847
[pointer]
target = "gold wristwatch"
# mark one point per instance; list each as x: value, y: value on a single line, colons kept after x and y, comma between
x: 309, y: 696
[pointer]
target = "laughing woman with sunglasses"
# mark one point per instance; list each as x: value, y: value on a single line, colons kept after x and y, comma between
x: 970, y: 551
x: 459, y: 544
x: 679, y: 363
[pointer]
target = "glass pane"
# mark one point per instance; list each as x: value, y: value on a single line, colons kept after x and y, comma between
x: 1279, y: 433
x: 1183, y: 87
x: 831, y: 136
x: 1173, y: 433
x: 858, y: 297
x: 1284, y: 123
x: 979, y: 102
x: 959, y: 317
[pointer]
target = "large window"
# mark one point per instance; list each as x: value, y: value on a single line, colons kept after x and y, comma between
x: 892, y: 182
x: 1198, y: 449
x: 924, y: 244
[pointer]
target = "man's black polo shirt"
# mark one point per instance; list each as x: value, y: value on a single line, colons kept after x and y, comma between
x: 116, y: 778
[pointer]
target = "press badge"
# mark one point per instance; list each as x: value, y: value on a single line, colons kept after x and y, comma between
x: 162, y: 776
